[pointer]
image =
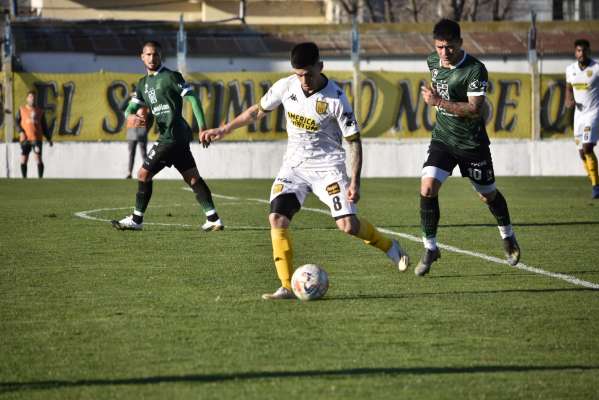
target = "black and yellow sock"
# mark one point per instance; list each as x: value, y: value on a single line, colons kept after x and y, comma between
x: 591, y: 167
x: 498, y: 208
x: 282, y: 255
x: 429, y: 216
x: 370, y: 235
x: 24, y: 170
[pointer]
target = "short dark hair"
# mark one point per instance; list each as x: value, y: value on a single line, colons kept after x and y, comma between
x: 582, y: 43
x: 304, y: 55
x: 30, y: 92
x: 151, y: 43
x: 446, y: 29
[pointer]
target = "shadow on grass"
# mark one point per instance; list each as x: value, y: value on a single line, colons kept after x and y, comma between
x: 243, y: 376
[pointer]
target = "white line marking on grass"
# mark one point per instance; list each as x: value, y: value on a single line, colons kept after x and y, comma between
x: 524, y: 267
x: 86, y: 215
x: 568, y: 278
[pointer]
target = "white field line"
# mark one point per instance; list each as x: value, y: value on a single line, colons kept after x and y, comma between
x: 568, y: 278
x: 524, y: 267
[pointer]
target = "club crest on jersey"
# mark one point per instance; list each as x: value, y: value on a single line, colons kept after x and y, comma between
x: 589, y: 73
x: 333, y: 189
x: 321, y: 106
x: 278, y: 188
x: 434, y: 73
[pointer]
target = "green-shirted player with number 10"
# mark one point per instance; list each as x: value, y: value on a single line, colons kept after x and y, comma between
x: 163, y: 92
x: 459, y: 83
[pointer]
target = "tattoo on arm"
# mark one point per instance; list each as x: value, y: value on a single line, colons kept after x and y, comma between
x: 470, y: 109
x: 355, y: 153
x: 247, y: 117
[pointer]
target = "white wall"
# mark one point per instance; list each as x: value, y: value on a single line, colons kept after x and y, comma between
x: 382, y: 158
x: 89, y: 62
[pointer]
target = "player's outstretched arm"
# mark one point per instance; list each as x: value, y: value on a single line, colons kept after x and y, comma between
x: 252, y: 114
x: 470, y: 109
x: 355, y: 160
x: 198, y: 112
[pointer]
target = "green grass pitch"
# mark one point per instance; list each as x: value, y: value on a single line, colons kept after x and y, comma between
x: 87, y: 312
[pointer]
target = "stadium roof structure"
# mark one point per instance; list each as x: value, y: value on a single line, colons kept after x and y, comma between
x: 377, y: 40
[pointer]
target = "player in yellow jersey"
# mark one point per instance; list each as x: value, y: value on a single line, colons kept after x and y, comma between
x: 582, y: 91
x: 319, y: 116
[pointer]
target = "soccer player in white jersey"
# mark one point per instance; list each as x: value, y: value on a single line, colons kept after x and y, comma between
x: 319, y: 116
x: 582, y: 91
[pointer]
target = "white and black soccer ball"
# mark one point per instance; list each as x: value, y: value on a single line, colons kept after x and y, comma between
x: 310, y: 282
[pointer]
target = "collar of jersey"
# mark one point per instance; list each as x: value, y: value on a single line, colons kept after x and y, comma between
x: 157, y: 72
x: 454, y: 66
x: 319, y: 90
x: 591, y: 63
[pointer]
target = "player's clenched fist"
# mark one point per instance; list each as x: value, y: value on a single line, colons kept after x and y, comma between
x: 209, y: 135
x: 139, y: 119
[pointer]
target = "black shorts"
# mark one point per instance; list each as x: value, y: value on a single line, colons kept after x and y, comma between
x: 476, y: 165
x: 27, y: 146
x: 167, y: 154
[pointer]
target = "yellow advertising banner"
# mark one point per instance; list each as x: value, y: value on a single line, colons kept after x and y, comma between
x: 89, y: 106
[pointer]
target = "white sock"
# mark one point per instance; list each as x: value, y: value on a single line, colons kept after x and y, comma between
x: 430, y: 243
x: 505, y: 231
x: 138, y: 213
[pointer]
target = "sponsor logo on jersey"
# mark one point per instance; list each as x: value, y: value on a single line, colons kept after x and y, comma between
x: 321, y: 106
x: 302, y: 122
x: 580, y: 86
x: 161, y: 109
x: 277, y: 188
x: 333, y: 189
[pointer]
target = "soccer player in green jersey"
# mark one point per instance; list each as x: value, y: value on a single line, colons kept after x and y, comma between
x: 163, y: 91
x: 459, y: 83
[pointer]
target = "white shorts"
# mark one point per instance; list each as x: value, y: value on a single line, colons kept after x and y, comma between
x: 586, y: 128
x: 329, y: 186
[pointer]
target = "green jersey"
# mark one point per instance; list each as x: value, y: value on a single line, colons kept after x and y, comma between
x: 467, y: 78
x: 162, y: 92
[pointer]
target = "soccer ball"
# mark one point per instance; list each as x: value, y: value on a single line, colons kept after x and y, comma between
x: 309, y: 282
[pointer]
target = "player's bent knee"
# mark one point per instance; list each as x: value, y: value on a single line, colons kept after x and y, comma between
x: 348, y: 224
x: 487, y: 197
x: 144, y: 175
x: 278, y: 220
